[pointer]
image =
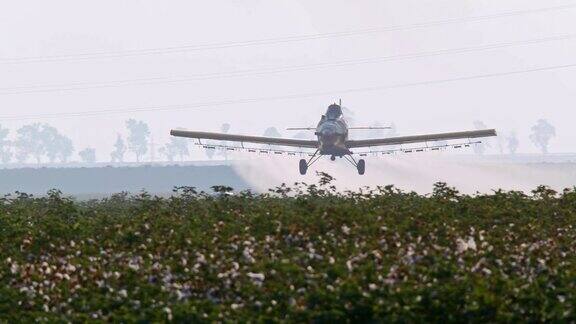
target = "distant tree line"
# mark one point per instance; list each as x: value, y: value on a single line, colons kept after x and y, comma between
x: 540, y: 135
x: 35, y: 142
x: 41, y: 142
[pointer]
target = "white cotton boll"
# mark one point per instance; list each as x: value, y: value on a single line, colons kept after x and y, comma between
x: 134, y: 266
x: 248, y: 256
x: 180, y: 295
x: 123, y: 293
x: 256, y: 276
x: 14, y: 268
x: 461, y: 246
x: 168, y: 312
x: 471, y: 244
x: 200, y: 258
x: 349, y: 265
x: 345, y: 229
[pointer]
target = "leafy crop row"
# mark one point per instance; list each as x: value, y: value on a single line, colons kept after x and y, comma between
x: 300, y: 253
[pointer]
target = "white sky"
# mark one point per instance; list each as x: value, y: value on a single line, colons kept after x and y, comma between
x: 30, y: 28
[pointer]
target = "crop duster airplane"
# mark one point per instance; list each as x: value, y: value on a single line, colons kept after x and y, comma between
x: 333, y: 141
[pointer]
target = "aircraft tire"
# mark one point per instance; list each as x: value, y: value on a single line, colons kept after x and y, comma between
x: 303, y: 167
x: 361, y: 167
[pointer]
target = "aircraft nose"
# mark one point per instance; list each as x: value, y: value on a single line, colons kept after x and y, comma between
x: 328, y: 132
x: 328, y: 136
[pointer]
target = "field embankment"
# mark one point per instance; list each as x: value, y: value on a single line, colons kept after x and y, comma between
x: 103, y: 181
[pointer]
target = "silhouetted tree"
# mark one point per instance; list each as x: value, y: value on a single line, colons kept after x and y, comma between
x: 272, y: 132
x: 5, y: 150
x: 88, y: 155
x: 29, y: 143
x: 169, y: 151
x: 66, y: 149
x: 57, y: 146
x: 119, y: 150
x: 49, y: 140
x: 176, y: 147
x: 181, y: 146
x: 138, y: 139
x: 512, y: 143
x: 225, y: 128
x: 541, y: 135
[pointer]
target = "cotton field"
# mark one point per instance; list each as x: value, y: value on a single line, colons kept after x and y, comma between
x: 299, y: 253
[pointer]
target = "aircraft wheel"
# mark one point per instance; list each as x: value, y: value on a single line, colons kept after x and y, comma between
x: 303, y: 167
x: 361, y: 167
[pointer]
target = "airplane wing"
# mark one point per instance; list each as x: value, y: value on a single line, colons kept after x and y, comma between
x: 420, y: 138
x: 246, y: 139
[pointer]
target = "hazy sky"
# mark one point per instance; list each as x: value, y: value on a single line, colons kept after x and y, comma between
x: 510, y: 103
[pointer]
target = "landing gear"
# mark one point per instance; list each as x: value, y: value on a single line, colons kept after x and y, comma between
x: 360, y: 165
x: 303, y: 167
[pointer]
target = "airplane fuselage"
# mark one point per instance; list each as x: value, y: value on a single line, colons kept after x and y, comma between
x: 332, y: 133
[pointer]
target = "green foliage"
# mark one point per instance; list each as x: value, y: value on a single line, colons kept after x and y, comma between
x: 301, y: 253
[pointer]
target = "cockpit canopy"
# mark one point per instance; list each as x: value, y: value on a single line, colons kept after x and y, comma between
x: 334, y: 112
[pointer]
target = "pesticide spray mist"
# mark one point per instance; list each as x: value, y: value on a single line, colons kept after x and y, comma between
x: 411, y: 173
